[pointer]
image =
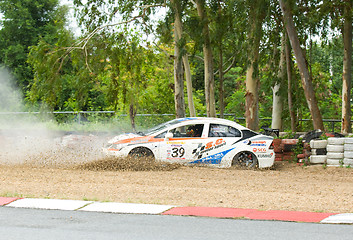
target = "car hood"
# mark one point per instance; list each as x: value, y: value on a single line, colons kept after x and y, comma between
x: 123, y: 137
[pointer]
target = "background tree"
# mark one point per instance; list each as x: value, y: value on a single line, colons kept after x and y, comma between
x: 347, y: 67
x: 208, y: 59
x: 302, y: 65
x: 257, y: 11
x: 178, y: 61
x: 24, y: 22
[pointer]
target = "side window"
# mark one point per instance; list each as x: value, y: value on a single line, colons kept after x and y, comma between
x: 219, y: 130
x: 161, y: 135
x: 194, y: 130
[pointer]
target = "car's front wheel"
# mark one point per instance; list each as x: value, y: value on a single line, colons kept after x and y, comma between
x: 245, y: 160
x: 141, y: 153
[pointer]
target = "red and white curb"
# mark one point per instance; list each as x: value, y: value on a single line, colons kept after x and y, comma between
x: 133, y: 208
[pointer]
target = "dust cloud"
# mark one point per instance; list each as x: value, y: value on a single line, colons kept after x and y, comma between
x: 25, y: 139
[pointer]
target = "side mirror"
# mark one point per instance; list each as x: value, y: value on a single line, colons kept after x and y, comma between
x: 168, y: 136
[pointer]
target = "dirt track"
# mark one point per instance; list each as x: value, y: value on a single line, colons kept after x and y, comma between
x: 286, y: 187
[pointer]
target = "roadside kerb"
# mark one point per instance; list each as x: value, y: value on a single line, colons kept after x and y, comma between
x: 253, y: 214
x: 52, y: 204
x: 114, y: 207
x: 7, y: 200
x: 217, y: 212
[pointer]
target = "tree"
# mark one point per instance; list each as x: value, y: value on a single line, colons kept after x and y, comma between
x: 208, y: 59
x: 302, y: 65
x: 277, y: 98
x: 24, y: 23
x: 347, y: 68
x: 290, y: 81
x: 256, y: 16
x: 225, y: 38
x: 178, y: 61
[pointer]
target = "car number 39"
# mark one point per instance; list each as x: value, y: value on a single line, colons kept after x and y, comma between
x: 178, y: 152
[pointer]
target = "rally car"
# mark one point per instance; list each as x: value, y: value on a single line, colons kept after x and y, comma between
x: 212, y: 141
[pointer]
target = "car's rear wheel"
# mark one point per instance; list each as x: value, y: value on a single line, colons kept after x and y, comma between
x: 141, y: 153
x: 245, y: 160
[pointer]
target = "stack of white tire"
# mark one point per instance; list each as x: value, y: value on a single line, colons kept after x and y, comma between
x: 348, y: 152
x: 335, y: 151
x: 318, y: 151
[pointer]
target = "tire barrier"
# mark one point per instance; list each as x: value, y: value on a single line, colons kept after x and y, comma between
x: 317, y: 144
x: 318, y: 151
x: 335, y: 151
x: 348, y: 152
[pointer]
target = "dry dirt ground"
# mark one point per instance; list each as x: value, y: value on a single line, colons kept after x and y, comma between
x: 285, y: 187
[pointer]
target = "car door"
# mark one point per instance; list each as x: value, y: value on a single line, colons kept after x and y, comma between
x: 179, y: 148
x: 220, y: 141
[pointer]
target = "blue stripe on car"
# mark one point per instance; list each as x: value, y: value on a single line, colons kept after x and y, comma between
x: 213, y: 159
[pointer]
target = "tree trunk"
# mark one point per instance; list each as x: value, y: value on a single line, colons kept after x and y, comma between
x: 132, y: 114
x: 189, y: 86
x: 252, y: 76
x: 293, y: 120
x: 302, y: 65
x: 277, y: 98
x: 252, y: 99
x: 178, y: 64
x: 347, y: 68
x: 208, y: 60
x: 221, y: 87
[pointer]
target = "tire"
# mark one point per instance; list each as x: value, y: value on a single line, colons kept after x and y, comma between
x: 348, y: 140
x: 245, y: 160
x: 348, y: 147
x: 141, y: 153
x: 335, y: 141
x: 318, y: 143
x: 318, y: 151
x: 348, y: 154
x: 335, y: 155
x: 348, y: 162
x: 318, y: 159
x: 333, y: 162
x: 335, y: 148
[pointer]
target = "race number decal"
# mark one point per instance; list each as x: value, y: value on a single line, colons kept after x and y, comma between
x: 178, y: 152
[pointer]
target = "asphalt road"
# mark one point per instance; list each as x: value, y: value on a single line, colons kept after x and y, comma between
x: 19, y: 223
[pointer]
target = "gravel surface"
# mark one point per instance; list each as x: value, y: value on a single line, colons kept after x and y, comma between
x: 286, y: 187
x: 73, y: 167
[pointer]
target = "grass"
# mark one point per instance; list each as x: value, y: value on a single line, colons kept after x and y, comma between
x: 94, y: 199
x: 10, y: 194
x: 16, y: 195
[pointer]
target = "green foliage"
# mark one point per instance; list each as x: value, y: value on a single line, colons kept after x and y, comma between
x: 298, y: 149
x: 24, y: 23
x: 235, y: 99
x: 120, y: 70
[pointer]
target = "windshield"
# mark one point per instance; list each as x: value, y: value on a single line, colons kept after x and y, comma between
x: 160, y: 127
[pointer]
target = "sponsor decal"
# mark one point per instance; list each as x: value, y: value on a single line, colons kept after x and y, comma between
x: 201, y: 149
x: 213, y: 159
x: 258, y: 143
x: 262, y: 155
x: 259, y: 150
x: 176, y: 143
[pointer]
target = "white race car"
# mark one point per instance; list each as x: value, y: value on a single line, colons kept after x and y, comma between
x: 196, y: 140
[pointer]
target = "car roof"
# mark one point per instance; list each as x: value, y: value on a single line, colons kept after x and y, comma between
x: 211, y: 120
